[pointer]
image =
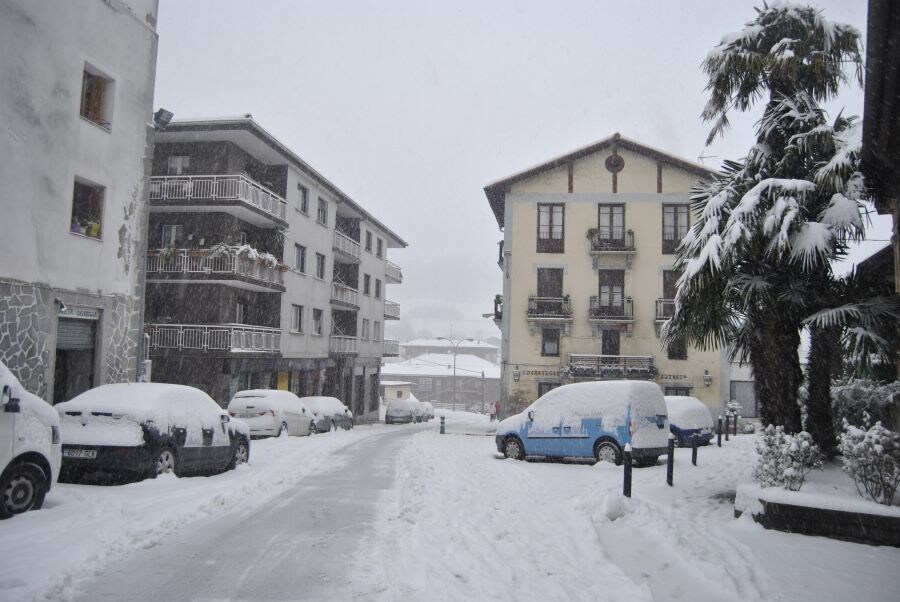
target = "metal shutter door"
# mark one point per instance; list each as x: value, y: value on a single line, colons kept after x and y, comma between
x: 75, y: 334
x: 743, y: 391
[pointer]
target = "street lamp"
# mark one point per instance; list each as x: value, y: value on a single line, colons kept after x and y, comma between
x: 454, y: 344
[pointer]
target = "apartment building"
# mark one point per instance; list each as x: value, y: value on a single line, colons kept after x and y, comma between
x: 587, y: 252
x: 261, y: 272
x: 75, y: 104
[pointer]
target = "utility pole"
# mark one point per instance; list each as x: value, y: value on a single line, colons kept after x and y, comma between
x: 454, y: 344
x: 482, y: 391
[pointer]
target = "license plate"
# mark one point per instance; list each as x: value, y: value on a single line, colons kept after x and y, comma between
x: 87, y: 454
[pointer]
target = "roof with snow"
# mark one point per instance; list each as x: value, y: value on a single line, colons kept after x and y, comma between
x: 442, y: 343
x: 441, y: 364
x: 496, y: 191
x: 394, y: 383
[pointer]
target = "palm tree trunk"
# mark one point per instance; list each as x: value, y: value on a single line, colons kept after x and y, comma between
x: 776, y: 373
x: 823, y: 353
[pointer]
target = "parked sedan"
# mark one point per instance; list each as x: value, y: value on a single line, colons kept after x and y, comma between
x: 400, y: 411
x: 145, y: 429
x: 271, y: 413
x: 329, y: 413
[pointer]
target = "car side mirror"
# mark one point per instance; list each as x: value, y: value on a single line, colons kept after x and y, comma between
x: 225, y: 418
x: 531, y: 415
x: 10, y: 403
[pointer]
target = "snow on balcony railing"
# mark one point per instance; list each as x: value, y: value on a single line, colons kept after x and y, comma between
x: 200, y: 261
x: 392, y: 272
x: 215, y: 337
x: 342, y: 344
x: 345, y: 244
x: 211, y: 188
x: 611, y: 366
x: 549, y: 307
x: 391, y: 310
x: 344, y: 294
x: 611, y: 310
x: 391, y: 348
x: 665, y: 308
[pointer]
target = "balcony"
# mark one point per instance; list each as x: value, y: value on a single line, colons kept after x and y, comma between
x: 610, y: 367
x: 665, y: 309
x: 498, y: 310
x: 346, y: 249
x: 204, y: 266
x: 236, y: 195
x: 611, y: 242
x: 391, y: 348
x: 548, y: 310
x: 343, y: 345
x: 343, y: 296
x: 392, y: 273
x: 602, y: 315
x: 500, y: 254
x: 391, y: 310
x: 215, y: 337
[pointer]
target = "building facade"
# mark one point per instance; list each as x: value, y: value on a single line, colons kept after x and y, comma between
x: 75, y: 104
x: 587, y: 254
x: 262, y: 273
x: 482, y: 349
x: 475, y: 382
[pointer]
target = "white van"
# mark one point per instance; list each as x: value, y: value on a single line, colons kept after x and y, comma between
x: 270, y: 412
x: 30, y: 450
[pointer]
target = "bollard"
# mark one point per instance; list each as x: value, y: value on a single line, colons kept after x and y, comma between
x: 694, y: 449
x: 442, y: 425
x: 727, y: 426
x: 670, y: 464
x: 719, y: 433
x: 626, y: 461
x: 735, y: 425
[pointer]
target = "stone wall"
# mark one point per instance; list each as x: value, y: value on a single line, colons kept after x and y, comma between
x: 24, y: 333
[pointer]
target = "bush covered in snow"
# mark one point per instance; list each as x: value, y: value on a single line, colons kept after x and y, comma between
x: 872, y: 458
x: 785, y: 460
x: 858, y: 398
x: 734, y: 408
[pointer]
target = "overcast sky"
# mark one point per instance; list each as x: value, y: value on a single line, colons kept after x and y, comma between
x: 411, y: 107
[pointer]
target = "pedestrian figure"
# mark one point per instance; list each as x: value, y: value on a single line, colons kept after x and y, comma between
x: 497, y: 410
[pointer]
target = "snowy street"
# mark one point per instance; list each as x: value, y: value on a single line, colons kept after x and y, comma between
x: 404, y: 513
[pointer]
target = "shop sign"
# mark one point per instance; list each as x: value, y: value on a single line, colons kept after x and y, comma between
x: 80, y: 313
x: 672, y: 377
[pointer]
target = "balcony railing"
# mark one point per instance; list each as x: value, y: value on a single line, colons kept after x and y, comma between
x: 392, y: 272
x: 498, y: 308
x: 609, y: 367
x: 611, y: 240
x: 343, y: 345
x: 217, y: 188
x: 215, y: 337
x: 344, y: 295
x: 194, y: 261
x: 665, y: 309
x: 391, y: 310
x: 617, y: 312
x: 346, y: 245
x: 391, y: 348
x: 549, y: 307
x: 500, y: 254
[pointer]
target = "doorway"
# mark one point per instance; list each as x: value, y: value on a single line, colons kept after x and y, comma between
x: 73, y: 371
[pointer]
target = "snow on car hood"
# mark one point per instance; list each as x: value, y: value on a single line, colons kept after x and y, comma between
x: 688, y: 412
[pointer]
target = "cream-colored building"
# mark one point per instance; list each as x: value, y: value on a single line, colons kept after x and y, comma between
x: 587, y: 254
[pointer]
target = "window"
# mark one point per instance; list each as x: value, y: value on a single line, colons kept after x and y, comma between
x: 399, y: 394
x: 377, y: 288
x: 367, y: 284
x: 297, y: 318
x: 317, y: 321
x: 303, y: 199
x: 685, y: 391
x: 610, y: 342
x: 612, y: 285
x: 300, y: 258
x: 546, y: 387
x: 87, y: 209
x: 320, y: 266
x: 550, y: 229
x: 178, y: 165
x: 240, y: 311
x: 376, y: 331
x: 611, y: 224
x: 172, y: 235
x: 379, y: 249
x: 245, y: 238
x: 96, y: 97
x: 365, y: 329
x: 678, y: 350
x: 675, y: 226
x: 368, y: 241
x: 550, y: 342
x: 322, y: 215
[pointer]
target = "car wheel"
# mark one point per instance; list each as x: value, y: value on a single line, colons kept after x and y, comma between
x: 608, y: 451
x: 283, y: 430
x: 647, y: 462
x: 165, y: 461
x: 313, y: 429
x: 22, y: 489
x: 514, y: 449
x: 241, y: 454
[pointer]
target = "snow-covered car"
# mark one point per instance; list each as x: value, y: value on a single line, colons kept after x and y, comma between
x: 689, y: 417
x: 429, y: 410
x: 271, y: 413
x: 418, y: 410
x: 401, y: 411
x: 145, y: 429
x: 329, y: 413
x: 590, y: 420
x: 29, y: 447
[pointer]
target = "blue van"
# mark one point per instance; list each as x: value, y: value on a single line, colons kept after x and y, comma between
x: 590, y: 420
